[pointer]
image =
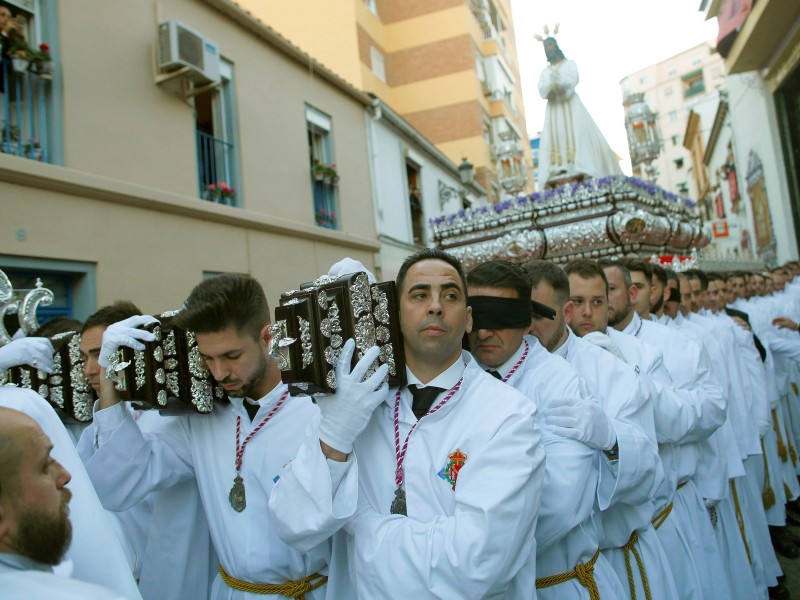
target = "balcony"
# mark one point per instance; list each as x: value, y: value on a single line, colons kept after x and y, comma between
x: 215, y: 170
x: 24, y: 110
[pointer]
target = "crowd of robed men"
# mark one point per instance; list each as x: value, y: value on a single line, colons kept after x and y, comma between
x: 614, y: 430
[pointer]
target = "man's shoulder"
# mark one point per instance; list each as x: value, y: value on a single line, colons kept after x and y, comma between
x: 494, y: 396
x: 39, y: 584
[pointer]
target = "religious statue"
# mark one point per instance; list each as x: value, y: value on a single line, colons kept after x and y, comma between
x: 572, y: 147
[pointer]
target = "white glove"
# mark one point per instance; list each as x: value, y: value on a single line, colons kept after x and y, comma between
x: 125, y: 333
x: 347, y: 266
x: 346, y: 413
x: 581, y: 420
x: 34, y: 351
x: 606, y: 343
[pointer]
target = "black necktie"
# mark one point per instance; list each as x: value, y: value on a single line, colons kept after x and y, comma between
x: 423, y: 398
x: 494, y: 374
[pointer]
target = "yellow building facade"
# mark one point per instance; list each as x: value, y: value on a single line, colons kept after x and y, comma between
x: 449, y: 67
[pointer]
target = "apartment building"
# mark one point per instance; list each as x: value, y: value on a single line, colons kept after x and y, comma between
x: 671, y: 88
x: 448, y: 67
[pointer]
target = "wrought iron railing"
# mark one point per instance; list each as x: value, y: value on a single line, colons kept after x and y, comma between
x: 325, y: 204
x: 216, y: 172
x: 24, y: 98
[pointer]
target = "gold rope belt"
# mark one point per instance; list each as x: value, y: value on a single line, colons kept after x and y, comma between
x: 627, y: 549
x: 289, y: 589
x: 583, y: 572
x: 740, y: 519
x: 768, y: 495
x: 777, y: 429
x: 659, y: 519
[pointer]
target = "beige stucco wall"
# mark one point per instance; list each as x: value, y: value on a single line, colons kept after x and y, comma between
x: 126, y: 198
x: 153, y: 247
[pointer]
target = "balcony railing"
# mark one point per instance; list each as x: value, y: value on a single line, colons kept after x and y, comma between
x: 216, y: 171
x: 24, y: 111
x: 325, y: 204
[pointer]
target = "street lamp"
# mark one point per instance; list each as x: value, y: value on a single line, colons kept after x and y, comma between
x: 510, y: 162
x: 644, y: 138
x: 466, y: 173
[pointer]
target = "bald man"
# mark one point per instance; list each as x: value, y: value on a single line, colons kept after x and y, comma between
x: 35, y: 530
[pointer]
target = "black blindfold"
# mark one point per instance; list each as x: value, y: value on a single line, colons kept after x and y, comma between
x: 491, y: 312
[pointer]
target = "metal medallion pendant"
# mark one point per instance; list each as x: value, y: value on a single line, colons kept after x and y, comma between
x: 236, y: 497
x: 399, y: 503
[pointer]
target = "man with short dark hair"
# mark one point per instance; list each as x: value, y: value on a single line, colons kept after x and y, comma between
x: 443, y: 476
x: 234, y: 453
x: 567, y: 532
x: 631, y: 470
x: 690, y: 407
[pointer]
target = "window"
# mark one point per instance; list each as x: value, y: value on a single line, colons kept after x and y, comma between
x: 693, y: 83
x: 415, y: 203
x: 324, y: 177
x: 72, y: 284
x: 673, y: 115
x: 676, y: 139
x: 643, y: 79
x: 696, y: 60
x: 678, y: 163
x: 672, y: 71
x: 683, y: 187
x: 217, y: 154
x: 668, y: 91
x: 378, y: 66
x: 372, y: 5
x: 29, y: 102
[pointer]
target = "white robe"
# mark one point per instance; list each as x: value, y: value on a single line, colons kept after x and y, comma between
x: 127, y: 465
x: 474, y: 541
x: 95, y: 555
x: 571, y: 144
x: 638, y: 471
x: 567, y: 532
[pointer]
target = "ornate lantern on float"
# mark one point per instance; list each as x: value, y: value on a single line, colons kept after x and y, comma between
x: 510, y: 163
x: 644, y: 137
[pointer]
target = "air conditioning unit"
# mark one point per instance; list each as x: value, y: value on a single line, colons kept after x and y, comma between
x: 181, y: 46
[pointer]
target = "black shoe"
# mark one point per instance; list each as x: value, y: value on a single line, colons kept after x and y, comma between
x: 792, y: 518
x: 779, y: 592
x: 782, y: 542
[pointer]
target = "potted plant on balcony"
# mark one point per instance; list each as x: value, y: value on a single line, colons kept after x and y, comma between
x: 42, y: 62
x: 9, y: 138
x: 33, y: 149
x: 325, y: 173
x: 220, y: 192
x: 318, y: 171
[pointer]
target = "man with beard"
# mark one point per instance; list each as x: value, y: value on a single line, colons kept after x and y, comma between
x: 35, y: 530
x: 442, y: 477
x: 690, y: 408
x: 234, y: 453
x: 632, y: 467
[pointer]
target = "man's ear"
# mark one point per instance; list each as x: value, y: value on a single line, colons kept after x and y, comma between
x: 469, y: 319
x: 265, y: 335
x: 633, y: 292
x: 569, y: 310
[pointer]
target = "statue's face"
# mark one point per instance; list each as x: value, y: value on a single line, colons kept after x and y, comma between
x: 550, y: 50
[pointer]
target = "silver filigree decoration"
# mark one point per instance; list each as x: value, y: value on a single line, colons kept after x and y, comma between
x: 381, y: 310
x: 116, y: 365
x: 364, y: 333
x: 305, y: 341
x: 161, y: 397
x: 43, y: 391
x: 387, y: 357
x: 171, y: 364
x: 332, y: 355
x: 173, y: 386
x: 330, y: 379
x: 336, y: 341
x: 57, y: 396
x: 322, y: 299
x: 201, y: 395
x: 158, y: 354
x: 38, y: 296
x: 359, y: 295
x: 139, y: 360
x: 161, y: 377
x: 196, y: 365
x: 169, y: 344
x: 382, y: 334
x: 279, y: 344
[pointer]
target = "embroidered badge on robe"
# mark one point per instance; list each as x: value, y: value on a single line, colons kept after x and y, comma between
x: 450, y: 472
